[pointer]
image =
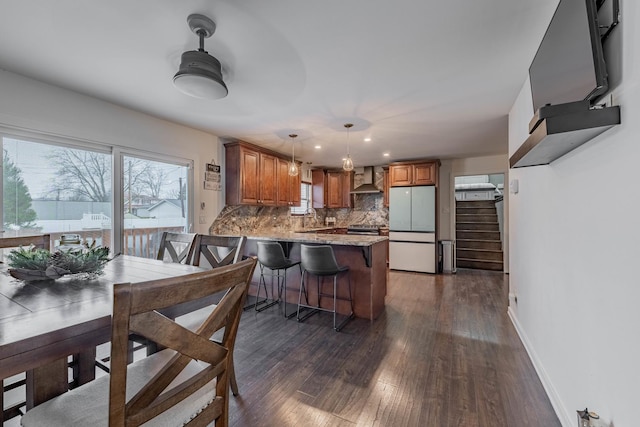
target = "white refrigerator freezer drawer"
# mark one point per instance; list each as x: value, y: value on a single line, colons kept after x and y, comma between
x: 407, y: 236
x: 409, y: 256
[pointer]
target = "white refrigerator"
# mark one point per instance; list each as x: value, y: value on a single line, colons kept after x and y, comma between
x: 412, y: 228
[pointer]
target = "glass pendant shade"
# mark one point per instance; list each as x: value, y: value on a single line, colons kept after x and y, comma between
x: 293, y: 167
x: 347, y: 164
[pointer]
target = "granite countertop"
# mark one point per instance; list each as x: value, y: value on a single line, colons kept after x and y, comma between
x: 309, y: 237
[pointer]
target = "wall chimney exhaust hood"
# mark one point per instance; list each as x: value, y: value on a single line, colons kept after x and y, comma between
x: 368, y: 186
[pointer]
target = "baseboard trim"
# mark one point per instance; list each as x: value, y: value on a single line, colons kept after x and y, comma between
x: 566, y: 419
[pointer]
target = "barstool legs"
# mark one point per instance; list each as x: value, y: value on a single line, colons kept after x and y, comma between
x: 314, y: 310
x: 265, y: 303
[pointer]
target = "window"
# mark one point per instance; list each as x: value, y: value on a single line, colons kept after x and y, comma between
x: 56, y: 189
x: 155, y: 201
x: 69, y: 187
x: 305, y: 200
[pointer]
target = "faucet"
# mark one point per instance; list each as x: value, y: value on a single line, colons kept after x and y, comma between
x: 309, y: 213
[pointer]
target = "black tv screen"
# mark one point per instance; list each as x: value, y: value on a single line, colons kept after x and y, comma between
x: 569, y: 65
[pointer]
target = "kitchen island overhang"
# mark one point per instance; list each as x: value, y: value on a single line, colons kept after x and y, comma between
x: 366, y: 257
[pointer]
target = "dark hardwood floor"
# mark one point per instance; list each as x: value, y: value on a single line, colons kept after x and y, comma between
x: 444, y: 353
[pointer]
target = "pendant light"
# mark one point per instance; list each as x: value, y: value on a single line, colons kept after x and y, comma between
x: 293, y: 167
x: 347, y: 164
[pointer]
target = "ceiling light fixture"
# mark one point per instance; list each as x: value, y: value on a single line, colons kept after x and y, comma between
x: 347, y: 164
x: 293, y: 167
x: 200, y: 74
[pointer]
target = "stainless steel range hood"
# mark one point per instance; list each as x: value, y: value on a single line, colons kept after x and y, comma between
x: 368, y: 186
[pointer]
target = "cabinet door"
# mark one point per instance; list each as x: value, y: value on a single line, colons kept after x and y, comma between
x: 400, y: 175
x: 385, y: 188
x: 294, y: 189
x: 318, y: 187
x: 346, y: 185
x: 334, y: 190
x: 284, y: 186
x: 249, y: 171
x: 268, y: 180
x: 424, y: 174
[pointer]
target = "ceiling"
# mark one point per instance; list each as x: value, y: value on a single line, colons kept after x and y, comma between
x: 421, y: 78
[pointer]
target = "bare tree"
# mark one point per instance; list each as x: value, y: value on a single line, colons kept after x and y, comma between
x: 81, y: 175
x: 153, y: 180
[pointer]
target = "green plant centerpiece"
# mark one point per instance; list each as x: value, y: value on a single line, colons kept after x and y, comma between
x: 31, y: 264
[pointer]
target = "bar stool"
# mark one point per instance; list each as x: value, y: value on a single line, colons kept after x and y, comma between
x: 271, y: 256
x: 321, y: 261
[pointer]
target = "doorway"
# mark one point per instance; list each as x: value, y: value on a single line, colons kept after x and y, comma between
x: 479, y: 227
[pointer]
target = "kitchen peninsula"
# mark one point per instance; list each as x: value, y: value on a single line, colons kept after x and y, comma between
x: 366, y: 257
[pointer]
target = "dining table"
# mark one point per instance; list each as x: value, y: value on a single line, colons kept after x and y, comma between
x: 44, y: 324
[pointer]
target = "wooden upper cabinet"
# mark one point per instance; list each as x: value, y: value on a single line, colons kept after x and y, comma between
x: 334, y: 190
x: 255, y: 176
x: 413, y: 173
x: 268, y: 180
x: 295, y: 182
x: 288, y: 186
x: 424, y: 174
x: 249, y: 172
x: 331, y: 189
x: 284, y: 187
x: 385, y: 187
x: 401, y: 175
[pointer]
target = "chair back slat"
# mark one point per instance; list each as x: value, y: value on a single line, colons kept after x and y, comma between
x: 42, y: 241
x: 178, y: 246
x: 218, y: 250
x: 136, y: 310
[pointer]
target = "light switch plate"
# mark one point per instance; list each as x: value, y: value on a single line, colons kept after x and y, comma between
x: 513, y: 186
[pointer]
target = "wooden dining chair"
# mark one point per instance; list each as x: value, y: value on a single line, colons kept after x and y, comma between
x: 218, y: 250
x: 41, y: 241
x: 178, y: 247
x: 173, y: 247
x: 184, y: 384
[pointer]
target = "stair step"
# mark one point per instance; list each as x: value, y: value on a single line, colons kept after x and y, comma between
x: 476, y: 218
x: 475, y: 203
x: 475, y: 210
x: 479, y: 254
x: 478, y: 244
x: 471, y: 226
x: 482, y: 265
x: 478, y: 235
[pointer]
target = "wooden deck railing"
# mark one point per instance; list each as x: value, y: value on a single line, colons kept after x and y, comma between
x: 142, y: 242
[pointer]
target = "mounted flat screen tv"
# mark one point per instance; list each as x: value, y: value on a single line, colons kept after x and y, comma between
x: 569, y: 65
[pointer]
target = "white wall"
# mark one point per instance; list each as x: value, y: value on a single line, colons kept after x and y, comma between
x: 575, y: 234
x: 33, y: 106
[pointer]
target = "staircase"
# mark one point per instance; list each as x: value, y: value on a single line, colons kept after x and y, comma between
x: 478, y: 243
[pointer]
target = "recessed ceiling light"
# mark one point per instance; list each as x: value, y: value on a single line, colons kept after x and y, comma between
x: 317, y: 147
x: 367, y: 140
x: 385, y: 154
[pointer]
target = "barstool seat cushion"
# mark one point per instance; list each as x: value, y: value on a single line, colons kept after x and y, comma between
x: 320, y: 260
x: 271, y: 255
